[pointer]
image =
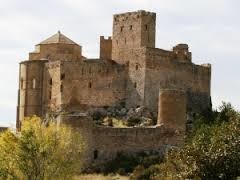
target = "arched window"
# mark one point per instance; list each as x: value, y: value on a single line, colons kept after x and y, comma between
x: 34, y: 83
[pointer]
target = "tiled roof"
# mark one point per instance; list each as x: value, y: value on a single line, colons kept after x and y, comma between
x: 58, y: 38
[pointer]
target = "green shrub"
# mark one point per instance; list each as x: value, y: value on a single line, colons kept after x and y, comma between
x: 126, y: 163
x: 132, y: 121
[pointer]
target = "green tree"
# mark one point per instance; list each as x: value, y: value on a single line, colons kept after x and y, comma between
x: 212, y: 153
x: 40, y: 151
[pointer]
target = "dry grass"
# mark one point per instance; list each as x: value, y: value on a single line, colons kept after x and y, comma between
x: 115, y: 122
x: 100, y: 177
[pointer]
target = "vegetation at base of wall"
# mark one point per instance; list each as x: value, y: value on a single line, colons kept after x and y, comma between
x: 211, y: 152
x: 40, y: 151
x: 125, y: 163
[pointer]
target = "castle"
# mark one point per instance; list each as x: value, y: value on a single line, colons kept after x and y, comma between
x: 130, y: 72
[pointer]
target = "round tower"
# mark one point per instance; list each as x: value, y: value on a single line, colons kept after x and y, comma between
x: 30, y: 89
x: 172, y: 109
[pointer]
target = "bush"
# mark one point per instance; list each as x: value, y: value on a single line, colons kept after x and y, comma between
x: 141, y: 173
x: 132, y: 121
x: 212, y: 153
x: 40, y: 151
x: 126, y: 163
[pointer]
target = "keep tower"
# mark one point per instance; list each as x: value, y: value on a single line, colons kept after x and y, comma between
x: 130, y: 31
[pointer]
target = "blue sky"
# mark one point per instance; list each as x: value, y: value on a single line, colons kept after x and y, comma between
x: 210, y: 27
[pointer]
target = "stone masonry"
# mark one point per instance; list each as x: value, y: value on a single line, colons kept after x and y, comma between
x: 130, y: 72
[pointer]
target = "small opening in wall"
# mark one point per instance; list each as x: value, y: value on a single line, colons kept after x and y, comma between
x: 146, y: 27
x: 122, y: 28
x: 95, y: 154
x: 136, y: 67
x: 50, y: 95
x: 135, y: 84
x: 62, y: 76
x: 50, y: 81
x: 89, y: 85
x: 116, y: 41
x: 34, y: 83
x: 21, y: 83
x: 131, y: 27
x: 125, y: 41
x: 90, y: 71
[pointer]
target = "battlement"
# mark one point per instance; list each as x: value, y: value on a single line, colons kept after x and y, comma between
x: 133, y: 15
x: 105, y: 38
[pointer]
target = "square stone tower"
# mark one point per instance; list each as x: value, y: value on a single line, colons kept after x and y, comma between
x: 132, y: 30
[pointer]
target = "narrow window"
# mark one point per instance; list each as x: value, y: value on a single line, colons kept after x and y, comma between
x: 136, y: 67
x: 21, y: 83
x: 131, y: 27
x: 89, y: 85
x: 62, y: 76
x: 50, y: 94
x: 61, y: 88
x: 95, y: 154
x: 122, y: 28
x: 135, y: 84
x: 90, y: 70
x: 125, y: 40
x: 116, y: 41
x: 50, y: 81
x: 34, y: 83
x: 146, y: 27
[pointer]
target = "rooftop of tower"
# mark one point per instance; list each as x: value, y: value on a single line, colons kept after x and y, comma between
x: 58, y: 38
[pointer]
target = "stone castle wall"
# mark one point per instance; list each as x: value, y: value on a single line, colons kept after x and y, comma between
x: 164, y: 72
x: 104, y: 143
x: 78, y: 85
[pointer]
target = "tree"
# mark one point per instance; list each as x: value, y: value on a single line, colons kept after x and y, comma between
x: 40, y: 151
x: 212, y: 153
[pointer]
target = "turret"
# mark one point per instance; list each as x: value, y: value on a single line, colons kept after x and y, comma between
x: 30, y: 89
x: 181, y: 53
x: 172, y: 109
